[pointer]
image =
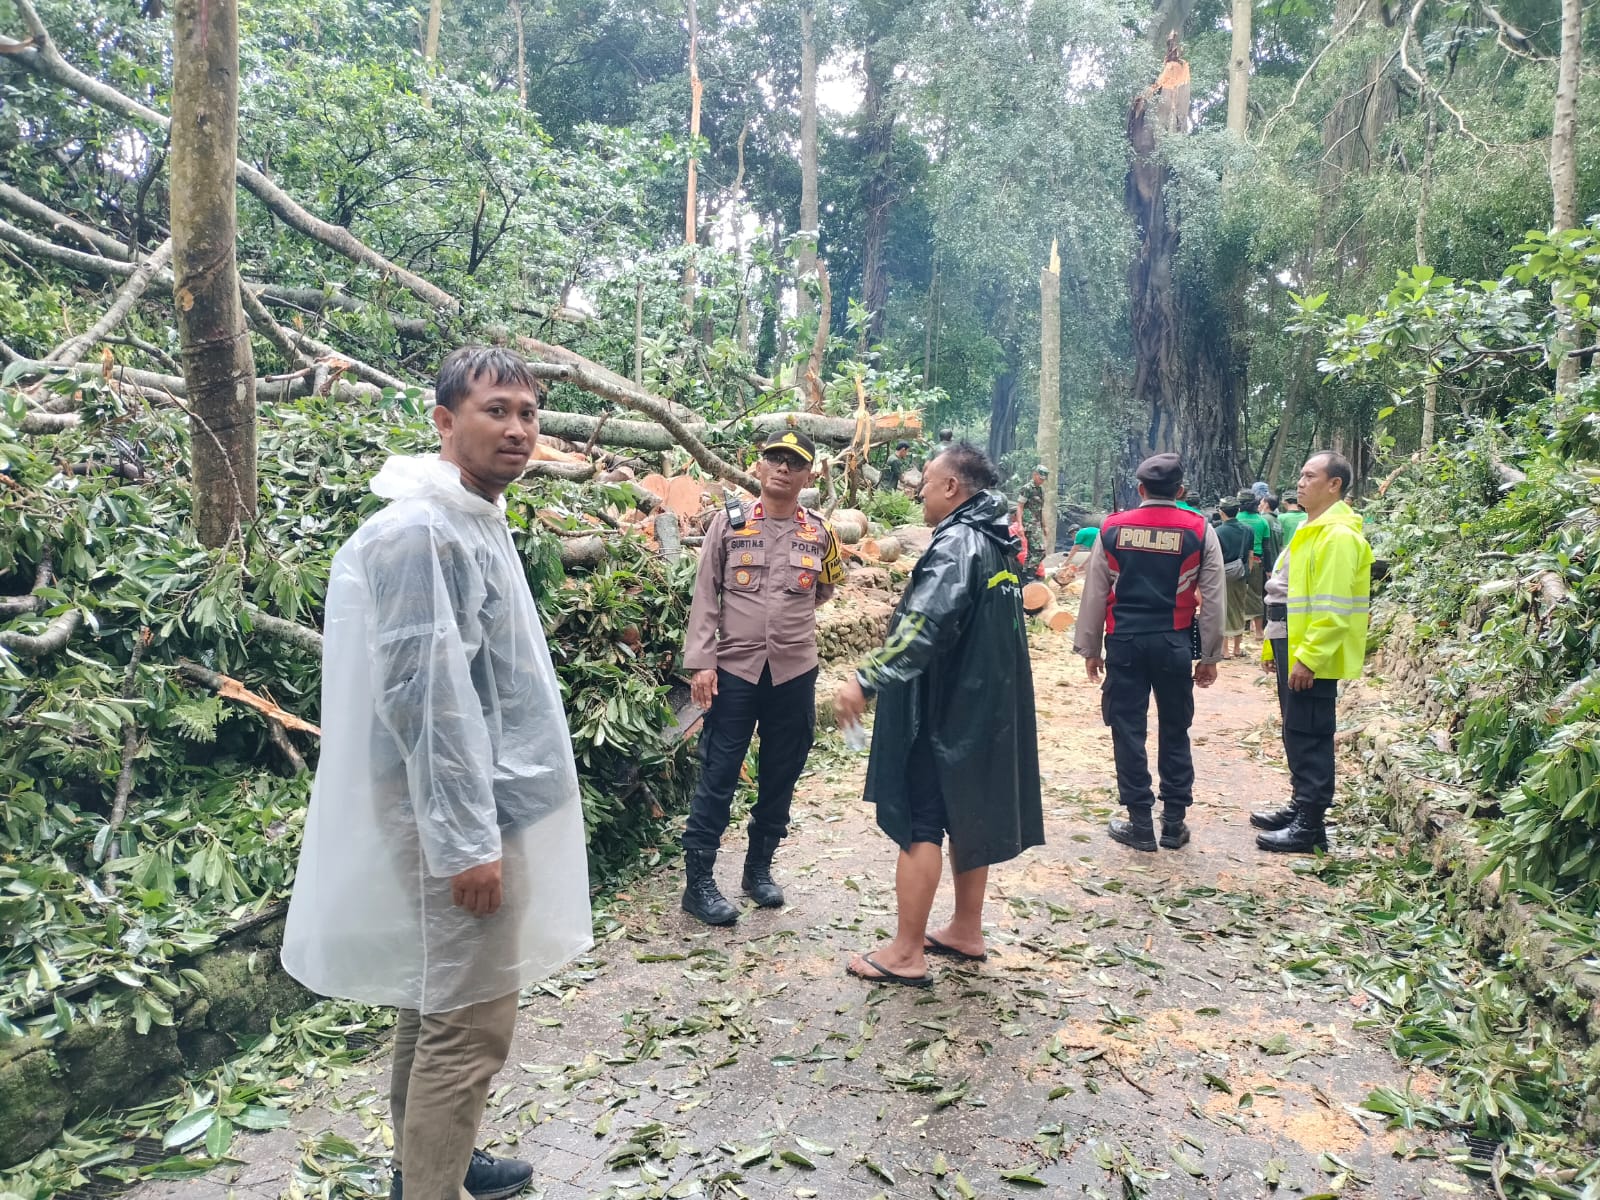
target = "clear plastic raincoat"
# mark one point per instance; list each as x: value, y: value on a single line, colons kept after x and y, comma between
x: 444, y: 747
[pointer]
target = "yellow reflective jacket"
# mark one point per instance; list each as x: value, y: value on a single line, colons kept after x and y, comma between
x: 1330, y: 582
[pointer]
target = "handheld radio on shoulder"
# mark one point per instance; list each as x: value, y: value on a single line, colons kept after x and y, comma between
x: 734, y: 507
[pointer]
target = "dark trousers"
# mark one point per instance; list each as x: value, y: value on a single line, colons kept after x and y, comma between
x: 1310, y: 719
x: 786, y: 715
x: 1138, y: 665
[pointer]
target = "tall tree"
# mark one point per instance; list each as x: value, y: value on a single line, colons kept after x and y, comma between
x: 1186, y: 382
x: 696, y: 90
x: 1050, y: 389
x: 810, y: 219
x: 218, y: 367
x: 1564, y: 155
x: 1239, y: 69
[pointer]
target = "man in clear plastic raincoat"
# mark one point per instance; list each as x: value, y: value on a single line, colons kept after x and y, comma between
x: 444, y: 865
x: 955, y: 745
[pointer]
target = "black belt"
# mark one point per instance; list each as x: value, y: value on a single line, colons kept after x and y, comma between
x: 1277, y: 612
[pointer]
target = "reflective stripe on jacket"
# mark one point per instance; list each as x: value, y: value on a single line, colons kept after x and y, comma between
x: 1330, y: 583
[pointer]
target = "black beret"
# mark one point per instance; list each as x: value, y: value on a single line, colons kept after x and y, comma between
x: 1162, y: 472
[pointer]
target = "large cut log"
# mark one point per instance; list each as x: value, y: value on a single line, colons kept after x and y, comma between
x: 884, y: 549
x: 1036, y: 597
x: 849, y: 524
x: 588, y: 550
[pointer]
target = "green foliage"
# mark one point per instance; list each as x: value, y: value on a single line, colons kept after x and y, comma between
x: 892, y: 508
x: 1494, y: 543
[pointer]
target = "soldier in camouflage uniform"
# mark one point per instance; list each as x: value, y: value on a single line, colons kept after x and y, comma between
x: 1032, y: 506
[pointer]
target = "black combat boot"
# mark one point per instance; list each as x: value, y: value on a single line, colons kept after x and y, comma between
x: 1138, y: 831
x: 1301, y: 836
x: 1174, y: 831
x: 758, y: 883
x: 1277, y: 818
x: 701, y: 899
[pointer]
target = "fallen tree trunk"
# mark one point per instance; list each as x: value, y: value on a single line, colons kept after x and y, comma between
x: 45, y: 60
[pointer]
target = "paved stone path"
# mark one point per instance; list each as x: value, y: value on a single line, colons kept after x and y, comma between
x: 1148, y: 1025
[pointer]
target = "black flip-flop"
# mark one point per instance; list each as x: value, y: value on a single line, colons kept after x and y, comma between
x: 885, y: 975
x: 932, y: 945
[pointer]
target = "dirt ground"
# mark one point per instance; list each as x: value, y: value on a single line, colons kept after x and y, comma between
x: 1145, y: 1026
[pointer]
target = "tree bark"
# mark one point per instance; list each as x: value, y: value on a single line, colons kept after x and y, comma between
x: 1564, y: 161
x: 690, y: 202
x: 819, y: 344
x: 1003, y: 409
x: 1430, y: 389
x: 1239, y: 70
x: 217, y: 363
x: 430, y: 44
x: 806, y: 264
x: 877, y: 145
x: 1050, y: 390
x: 522, y: 53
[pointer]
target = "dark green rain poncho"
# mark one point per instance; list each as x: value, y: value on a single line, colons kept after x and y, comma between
x: 954, y: 670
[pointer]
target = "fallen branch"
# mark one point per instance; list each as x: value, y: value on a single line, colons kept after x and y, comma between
x: 20, y: 606
x: 54, y: 636
x: 269, y: 328
x: 230, y: 688
x: 20, y: 202
x: 45, y: 60
x: 93, y: 264
x: 71, y: 350
x: 302, y: 637
x: 38, y: 422
x: 613, y: 387
x: 130, y: 736
x: 574, y: 472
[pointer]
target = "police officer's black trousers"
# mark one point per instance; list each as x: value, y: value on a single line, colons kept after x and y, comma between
x: 786, y: 714
x: 1137, y: 666
x: 1310, y: 719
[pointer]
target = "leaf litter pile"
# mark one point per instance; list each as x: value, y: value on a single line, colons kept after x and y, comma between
x: 1145, y: 1027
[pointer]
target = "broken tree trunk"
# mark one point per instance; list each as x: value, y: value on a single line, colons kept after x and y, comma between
x: 1050, y: 390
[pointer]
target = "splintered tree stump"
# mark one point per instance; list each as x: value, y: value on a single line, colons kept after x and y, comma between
x: 1036, y: 597
x: 656, y: 485
x: 1061, y: 620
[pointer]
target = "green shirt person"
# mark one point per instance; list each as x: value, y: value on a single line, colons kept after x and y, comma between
x: 1291, y: 518
x: 1253, y: 521
x: 897, y: 465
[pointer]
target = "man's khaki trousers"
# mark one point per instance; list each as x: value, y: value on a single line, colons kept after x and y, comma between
x: 443, y: 1063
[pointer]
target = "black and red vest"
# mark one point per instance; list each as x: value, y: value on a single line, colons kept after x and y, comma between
x: 1154, y: 555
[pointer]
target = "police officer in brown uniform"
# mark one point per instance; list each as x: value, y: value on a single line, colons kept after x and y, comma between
x: 752, y: 645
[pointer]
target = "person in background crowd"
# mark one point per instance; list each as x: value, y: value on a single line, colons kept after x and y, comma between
x: 1031, y: 516
x: 894, y: 467
x: 1154, y: 571
x: 1291, y: 518
x: 955, y: 745
x: 1236, y: 542
x: 1329, y: 582
x: 1251, y: 518
x: 947, y: 439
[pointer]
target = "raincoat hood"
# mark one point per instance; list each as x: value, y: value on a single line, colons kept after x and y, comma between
x: 989, y: 514
x: 1339, y: 513
x: 429, y: 477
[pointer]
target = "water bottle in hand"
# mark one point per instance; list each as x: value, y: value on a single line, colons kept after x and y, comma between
x: 855, y: 738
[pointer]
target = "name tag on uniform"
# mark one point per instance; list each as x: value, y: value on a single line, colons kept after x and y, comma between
x: 1162, y: 541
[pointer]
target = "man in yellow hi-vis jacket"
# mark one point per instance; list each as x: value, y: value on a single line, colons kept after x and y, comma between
x: 1329, y: 572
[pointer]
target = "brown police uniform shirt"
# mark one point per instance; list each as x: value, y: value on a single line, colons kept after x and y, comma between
x: 757, y: 592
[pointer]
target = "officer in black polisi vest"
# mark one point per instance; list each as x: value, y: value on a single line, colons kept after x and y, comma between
x: 1153, y: 572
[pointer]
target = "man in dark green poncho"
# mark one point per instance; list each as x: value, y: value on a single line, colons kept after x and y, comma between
x: 955, y: 746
